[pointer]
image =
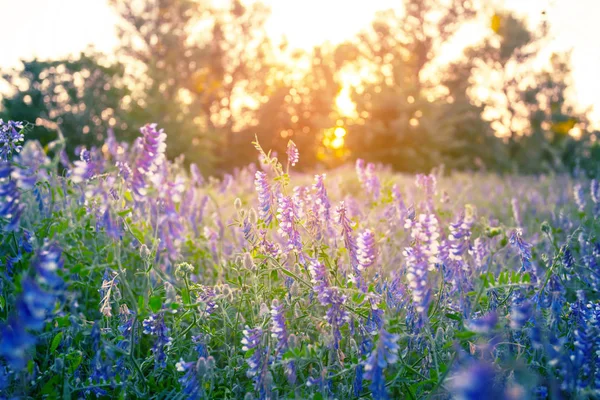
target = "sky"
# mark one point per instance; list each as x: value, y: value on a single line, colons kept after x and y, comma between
x: 68, y: 26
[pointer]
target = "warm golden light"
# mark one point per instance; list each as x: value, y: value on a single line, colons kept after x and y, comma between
x: 334, y: 138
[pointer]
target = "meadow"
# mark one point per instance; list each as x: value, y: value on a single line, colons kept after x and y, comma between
x: 126, y: 275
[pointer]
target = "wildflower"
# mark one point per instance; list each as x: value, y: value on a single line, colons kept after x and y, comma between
x: 31, y: 162
x: 385, y: 354
x: 475, y: 381
x: 292, y: 153
x: 524, y: 249
x: 152, y: 148
x: 371, y: 183
x: 252, y: 342
x: 520, y: 314
x: 484, y: 324
x: 15, y: 342
x: 322, y: 205
x: 346, y: 233
x: 11, y: 138
x: 191, y: 385
x: 336, y: 316
x: 265, y: 197
x: 10, y: 198
x: 579, y: 196
x: 47, y: 263
x: 278, y: 330
x: 428, y: 183
x: 155, y: 325
x: 365, y: 252
x: 286, y: 216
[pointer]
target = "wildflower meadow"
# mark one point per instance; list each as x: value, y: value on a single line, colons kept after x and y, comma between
x: 125, y: 275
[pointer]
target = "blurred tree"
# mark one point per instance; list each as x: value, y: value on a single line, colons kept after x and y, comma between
x: 398, y: 109
x: 83, y: 96
x: 301, y: 104
x: 204, y: 69
x: 527, y: 107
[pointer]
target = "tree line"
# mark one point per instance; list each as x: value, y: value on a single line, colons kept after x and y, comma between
x: 213, y: 79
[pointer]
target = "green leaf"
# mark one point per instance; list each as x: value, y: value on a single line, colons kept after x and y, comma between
x: 155, y: 303
x: 455, y: 317
x: 56, y: 342
x: 128, y: 196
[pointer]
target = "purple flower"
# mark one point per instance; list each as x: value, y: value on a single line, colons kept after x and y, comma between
x: 322, y: 205
x: 386, y: 353
x: 524, y: 249
x: 428, y: 184
x: 10, y: 198
x: 257, y: 362
x: 47, y: 263
x: 30, y: 162
x: 286, y: 216
x: 11, y: 138
x: 265, y: 197
x: 292, y: 153
x: 520, y: 313
x: 15, y: 342
x: 365, y: 252
x: 484, y: 324
x: 190, y: 384
x: 475, y: 381
x: 579, y: 196
x: 336, y: 316
x: 346, y: 233
x: 278, y: 330
x: 155, y: 325
x: 151, y: 147
x: 34, y: 305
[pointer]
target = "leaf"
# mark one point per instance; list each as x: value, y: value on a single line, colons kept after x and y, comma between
x: 155, y: 303
x: 56, y: 342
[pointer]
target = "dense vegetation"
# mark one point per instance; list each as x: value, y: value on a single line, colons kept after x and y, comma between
x: 126, y: 276
x: 213, y: 79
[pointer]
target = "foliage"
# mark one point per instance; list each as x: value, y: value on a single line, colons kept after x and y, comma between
x: 131, y: 277
x: 82, y: 97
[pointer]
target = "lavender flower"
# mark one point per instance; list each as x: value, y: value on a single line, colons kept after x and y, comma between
x: 10, y: 198
x: 265, y: 197
x: 151, y: 147
x: 329, y: 296
x: 286, y: 216
x: 579, y: 196
x: 524, y: 249
x: 292, y: 153
x: 346, y: 233
x: 155, y: 325
x: 11, y: 138
x: 322, y: 205
x: 257, y: 362
x: 365, y: 252
x: 475, y: 381
x: 278, y: 330
x: 385, y: 354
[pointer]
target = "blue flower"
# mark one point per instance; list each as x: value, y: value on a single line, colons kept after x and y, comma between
x: 287, y: 217
x: 474, y: 382
x: 10, y: 198
x: 15, y: 342
x: 11, y: 138
x: 155, y: 325
x: 385, y: 354
x: 265, y: 197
